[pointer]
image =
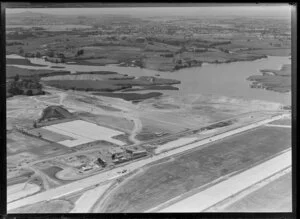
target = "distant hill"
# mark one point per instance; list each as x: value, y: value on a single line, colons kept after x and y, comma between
x: 27, y: 14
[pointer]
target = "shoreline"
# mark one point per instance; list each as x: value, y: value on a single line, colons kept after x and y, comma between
x: 277, y: 80
x: 85, y: 63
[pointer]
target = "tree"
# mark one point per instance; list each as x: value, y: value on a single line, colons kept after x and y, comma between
x: 80, y: 52
x: 29, y: 92
x: 17, y: 77
x: 61, y: 55
x: 21, y: 51
x: 50, y: 53
x: 35, y: 78
x: 38, y: 54
x: 14, y: 89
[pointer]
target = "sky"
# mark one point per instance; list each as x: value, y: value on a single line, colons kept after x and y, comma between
x: 260, y: 10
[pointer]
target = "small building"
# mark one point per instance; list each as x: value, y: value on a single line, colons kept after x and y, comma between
x: 136, y: 152
x: 101, y: 162
x: 120, y: 160
x: 86, y: 168
x: 116, y: 152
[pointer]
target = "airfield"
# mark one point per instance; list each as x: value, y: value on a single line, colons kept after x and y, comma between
x: 82, y: 145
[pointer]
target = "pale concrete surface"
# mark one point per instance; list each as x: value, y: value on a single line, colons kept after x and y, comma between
x: 211, y: 196
x: 88, y: 199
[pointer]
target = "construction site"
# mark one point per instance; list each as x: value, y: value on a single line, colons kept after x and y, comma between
x: 59, y: 147
x: 127, y: 113
x: 67, y: 144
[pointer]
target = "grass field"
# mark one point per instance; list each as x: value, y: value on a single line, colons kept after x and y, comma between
x: 53, y: 206
x: 266, y: 44
x: 152, y: 126
x: 163, y: 182
x: 282, y: 122
x: 103, y: 61
x: 51, y: 149
x: 285, y: 70
x: 276, y: 80
x: 159, y: 63
x: 87, y: 76
x: 275, y: 83
x: 21, y: 62
x: 18, y: 175
x: 19, y: 142
x: 273, y: 197
x: 131, y: 96
x: 116, y: 82
x: 158, y: 87
x: 21, y: 158
x: 51, y: 171
x: 273, y: 52
x: 86, y: 85
x: 120, y: 53
x: 12, y: 71
x: 96, y: 102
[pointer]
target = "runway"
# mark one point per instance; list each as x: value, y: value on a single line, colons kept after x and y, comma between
x: 219, y: 192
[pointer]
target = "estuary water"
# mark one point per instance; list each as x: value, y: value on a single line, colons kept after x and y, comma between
x: 228, y: 79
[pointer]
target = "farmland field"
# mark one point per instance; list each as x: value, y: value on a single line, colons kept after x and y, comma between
x: 273, y: 52
x: 88, y: 76
x: 163, y: 182
x: 87, y: 85
x: 120, y: 53
x: 110, y: 82
x: 12, y: 71
x: 21, y: 62
x: 55, y: 27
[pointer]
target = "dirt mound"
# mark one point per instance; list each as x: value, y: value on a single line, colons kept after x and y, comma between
x: 55, y: 112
